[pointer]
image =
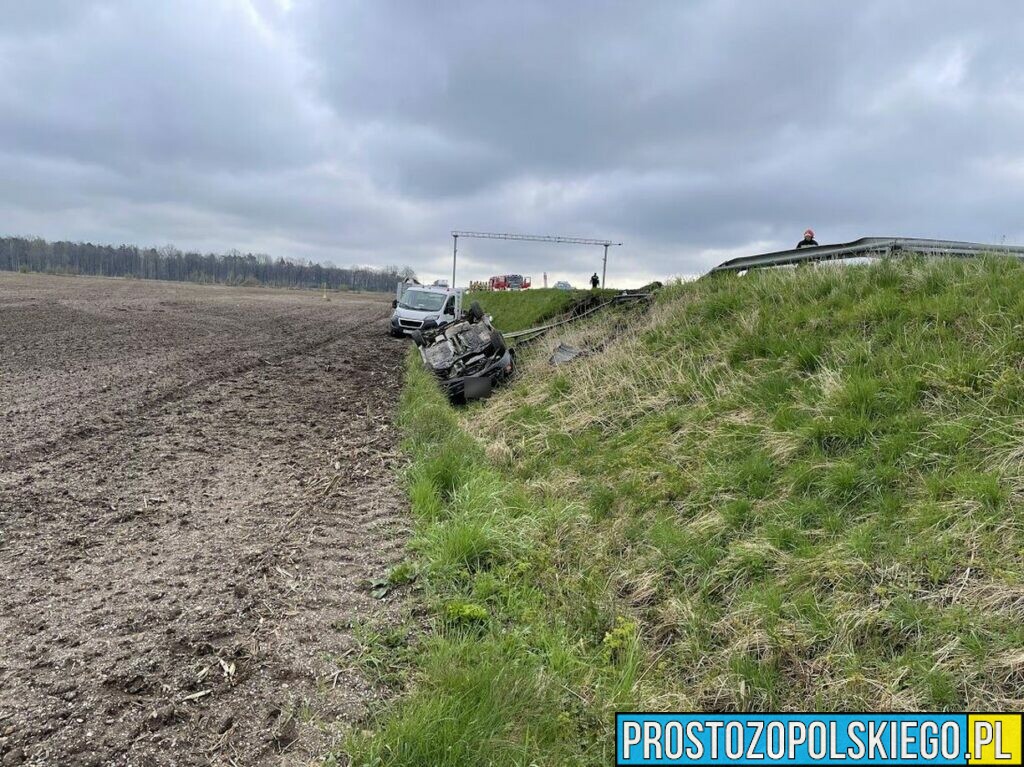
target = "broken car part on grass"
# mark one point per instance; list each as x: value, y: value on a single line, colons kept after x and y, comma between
x: 468, y: 356
x: 564, y: 354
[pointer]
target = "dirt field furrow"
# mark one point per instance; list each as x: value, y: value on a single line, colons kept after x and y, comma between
x: 196, y: 485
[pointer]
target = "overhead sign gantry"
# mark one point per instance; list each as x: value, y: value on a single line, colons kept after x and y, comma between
x: 456, y: 234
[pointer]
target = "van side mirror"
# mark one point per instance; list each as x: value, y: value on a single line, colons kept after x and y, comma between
x: 394, y: 303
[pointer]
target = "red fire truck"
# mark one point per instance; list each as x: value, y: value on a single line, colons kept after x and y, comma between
x: 509, y: 282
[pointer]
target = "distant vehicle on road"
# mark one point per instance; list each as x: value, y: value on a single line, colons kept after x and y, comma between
x: 509, y: 282
x: 563, y: 285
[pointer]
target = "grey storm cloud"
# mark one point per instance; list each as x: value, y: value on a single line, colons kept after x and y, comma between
x: 365, y: 132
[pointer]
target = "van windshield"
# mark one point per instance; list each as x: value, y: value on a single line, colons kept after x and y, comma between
x: 422, y: 300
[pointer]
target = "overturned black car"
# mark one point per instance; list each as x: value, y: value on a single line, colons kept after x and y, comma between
x: 468, y: 356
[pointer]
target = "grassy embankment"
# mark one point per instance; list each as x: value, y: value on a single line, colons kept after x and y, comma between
x: 792, y: 490
x: 520, y: 309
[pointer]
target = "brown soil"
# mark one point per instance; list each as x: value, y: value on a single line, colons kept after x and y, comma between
x: 196, y: 487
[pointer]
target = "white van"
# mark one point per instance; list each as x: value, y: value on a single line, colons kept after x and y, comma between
x: 416, y: 303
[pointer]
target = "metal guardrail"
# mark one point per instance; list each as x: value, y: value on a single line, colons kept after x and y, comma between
x: 866, y: 246
x: 531, y: 333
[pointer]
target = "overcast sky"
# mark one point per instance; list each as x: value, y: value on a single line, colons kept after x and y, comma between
x: 362, y: 133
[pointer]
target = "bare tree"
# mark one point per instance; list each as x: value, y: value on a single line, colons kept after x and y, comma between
x: 169, y: 263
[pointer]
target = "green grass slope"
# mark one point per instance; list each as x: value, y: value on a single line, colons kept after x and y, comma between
x: 791, y: 490
x: 520, y: 309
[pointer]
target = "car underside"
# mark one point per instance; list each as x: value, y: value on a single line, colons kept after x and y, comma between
x: 468, y: 356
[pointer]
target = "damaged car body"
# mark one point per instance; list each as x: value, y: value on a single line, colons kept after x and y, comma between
x: 468, y: 356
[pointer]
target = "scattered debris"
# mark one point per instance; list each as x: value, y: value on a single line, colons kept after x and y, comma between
x: 380, y: 588
x: 227, y: 667
x: 162, y: 716
x: 564, y: 353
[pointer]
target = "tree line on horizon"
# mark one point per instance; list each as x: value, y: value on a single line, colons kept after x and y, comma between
x: 34, y: 254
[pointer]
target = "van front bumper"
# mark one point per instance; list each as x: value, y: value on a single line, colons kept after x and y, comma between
x: 403, y: 326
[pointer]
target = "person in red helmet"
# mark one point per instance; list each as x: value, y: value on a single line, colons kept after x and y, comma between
x: 808, y: 241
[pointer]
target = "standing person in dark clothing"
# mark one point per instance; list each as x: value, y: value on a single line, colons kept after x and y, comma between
x: 808, y: 241
x: 595, y: 281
